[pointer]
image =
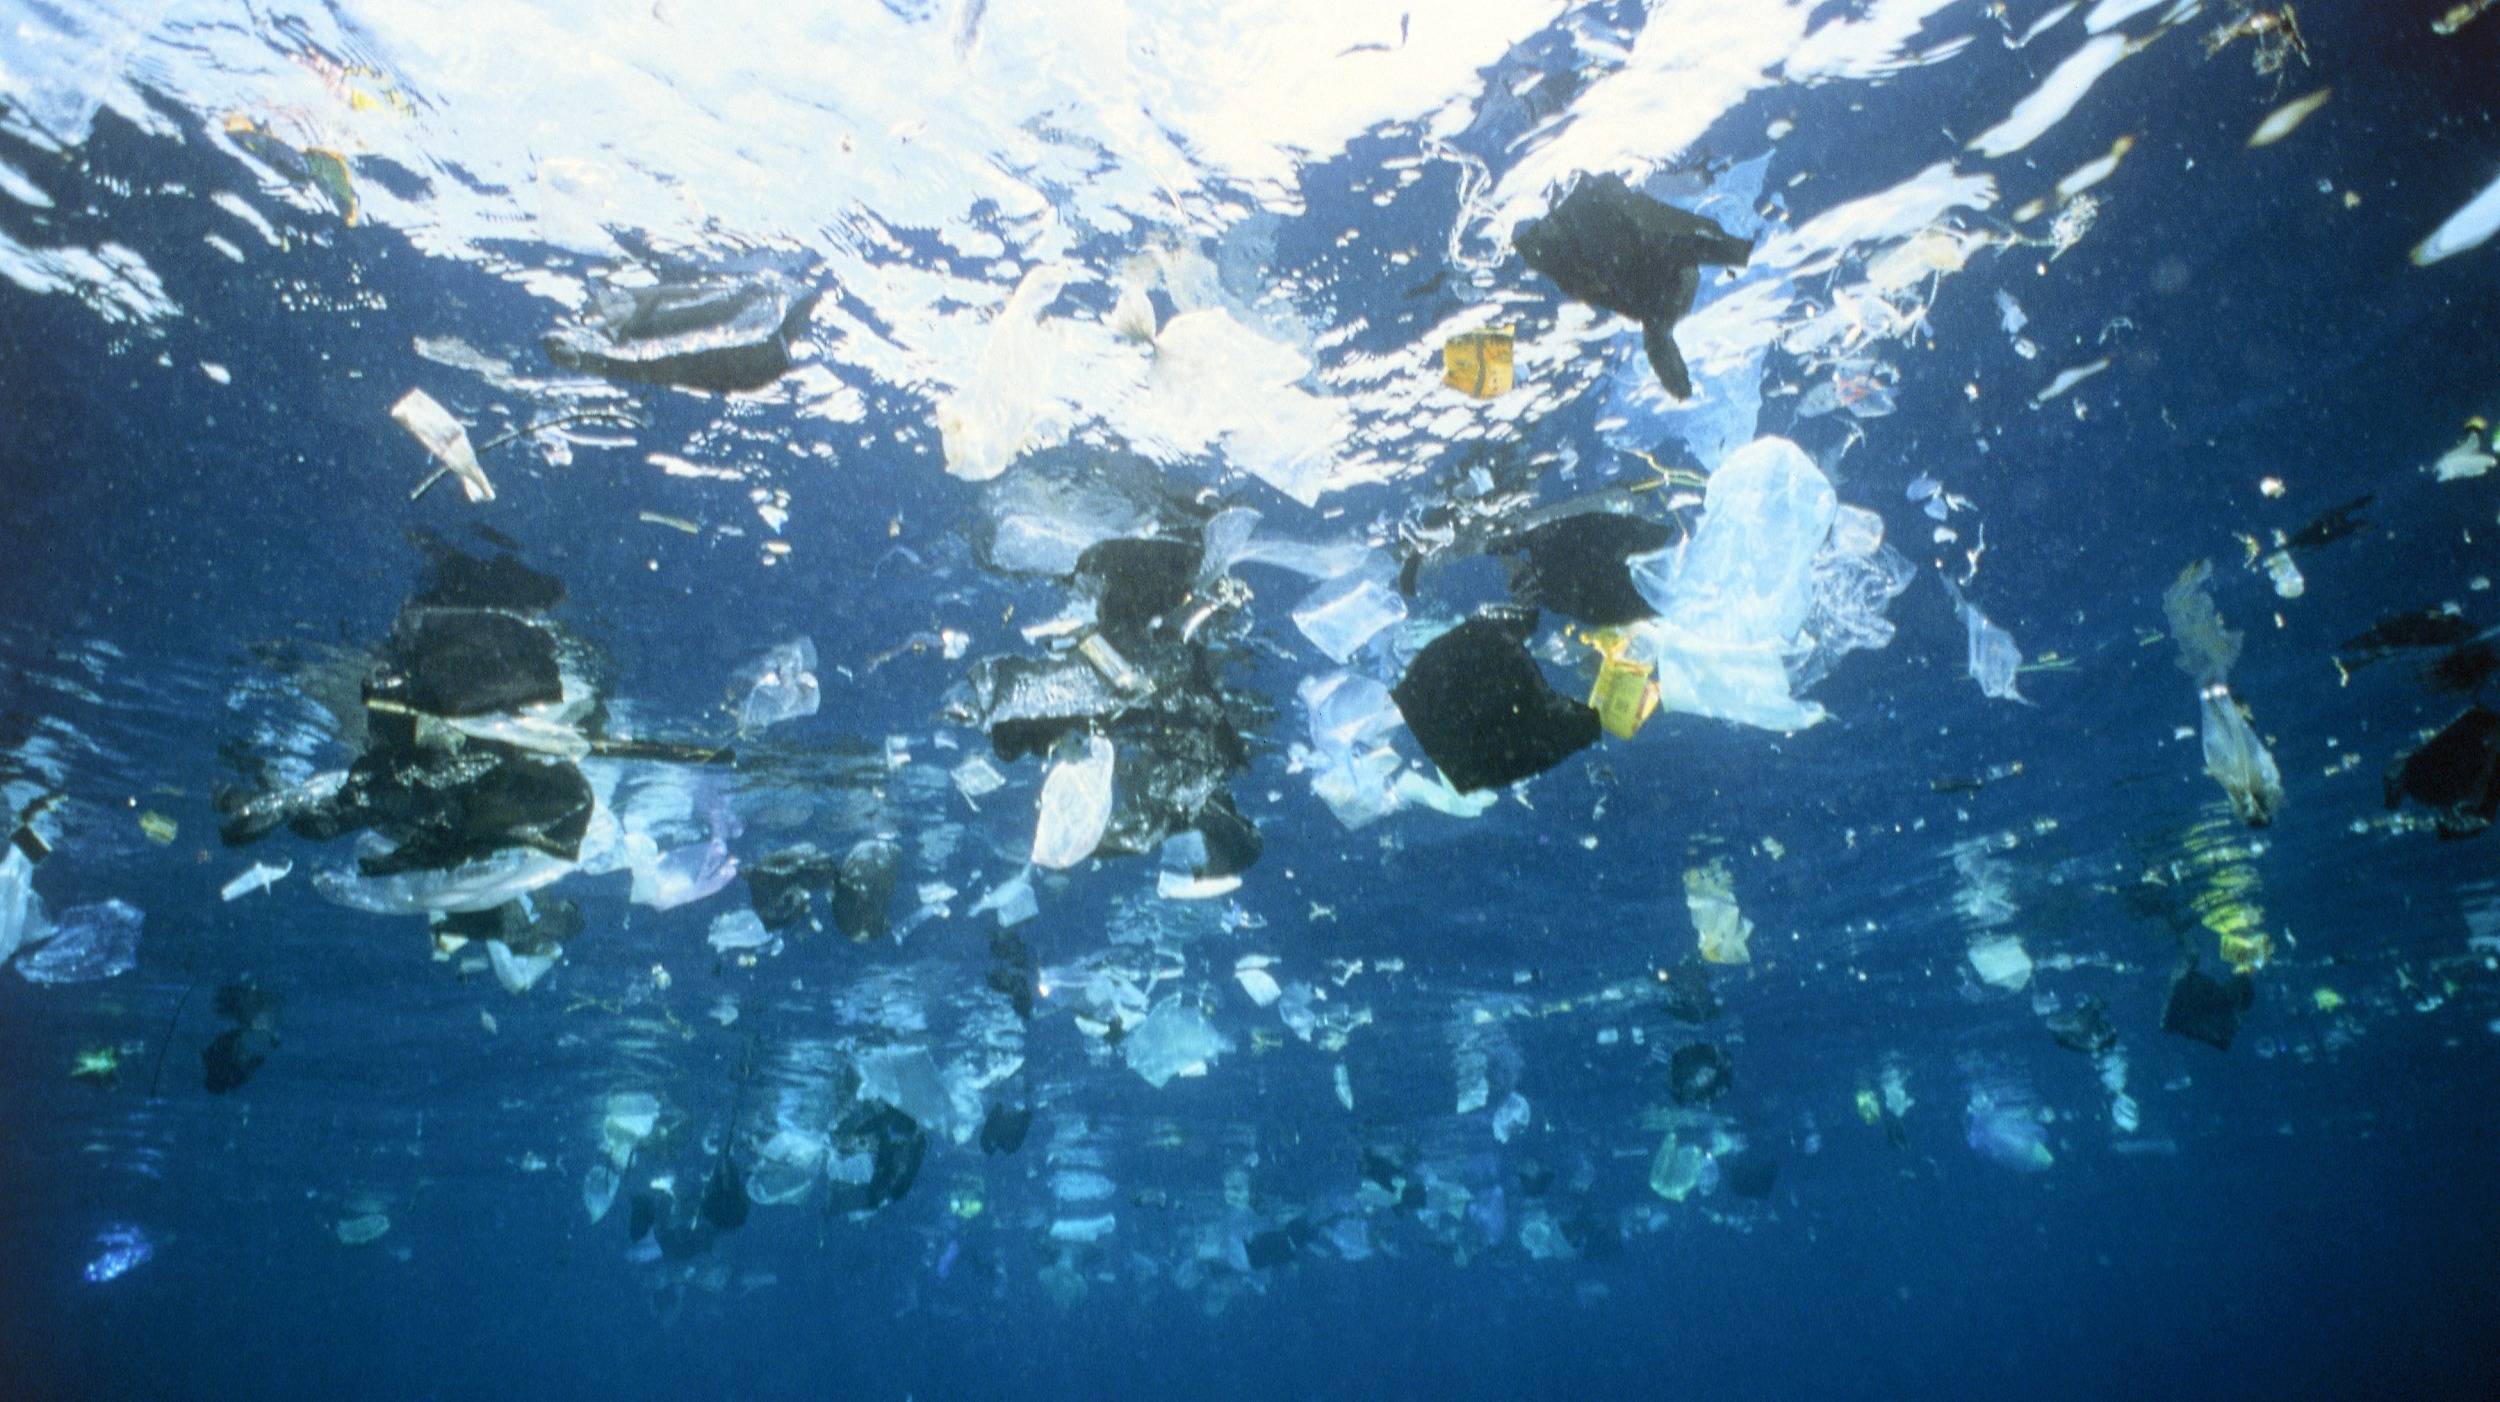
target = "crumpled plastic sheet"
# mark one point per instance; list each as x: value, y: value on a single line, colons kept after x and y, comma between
x: 1355, y: 772
x: 22, y: 918
x: 781, y: 685
x: 1733, y: 599
x: 1009, y: 406
x: 88, y: 943
x: 1342, y: 614
x: 1993, y: 658
x: 1175, y: 1040
x: 2238, y: 760
x: 479, y: 885
x: 1075, y: 805
x: 1856, y: 578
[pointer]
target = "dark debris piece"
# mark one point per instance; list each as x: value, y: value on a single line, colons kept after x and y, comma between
x: 782, y: 886
x: 2330, y: 525
x: 1482, y: 710
x: 2465, y: 670
x: 524, y: 928
x: 863, y: 892
x: 444, y: 810
x: 2401, y: 631
x: 1699, y: 1073
x: 1575, y: 566
x: 1136, y: 584
x: 1750, y: 1172
x: 2207, y: 1009
x: 1004, y: 1127
x: 468, y: 662
x: 1614, y: 248
x: 896, y: 1145
x: 456, y: 579
x: 718, y: 334
x: 232, y: 1056
x: 2083, y: 1027
x: 2455, y: 773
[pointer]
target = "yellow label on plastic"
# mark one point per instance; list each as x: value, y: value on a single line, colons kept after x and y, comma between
x: 2246, y: 953
x: 1478, y: 363
x: 1624, y: 696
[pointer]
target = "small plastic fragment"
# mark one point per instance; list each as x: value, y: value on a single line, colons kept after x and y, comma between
x: 781, y: 685
x: 712, y: 333
x: 2001, y: 962
x: 2008, y: 1135
x: 518, y: 973
x: 446, y: 441
x: 1624, y: 695
x: 1710, y: 896
x: 1342, y: 614
x: 736, y: 931
x: 1075, y: 805
x: 1993, y: 657
x: 260, y: 876
x: 863, y: 891
x: 1478, y: 363
x: 1174, y: 1040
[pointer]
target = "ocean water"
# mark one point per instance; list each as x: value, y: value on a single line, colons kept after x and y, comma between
x: 1398, y: 1114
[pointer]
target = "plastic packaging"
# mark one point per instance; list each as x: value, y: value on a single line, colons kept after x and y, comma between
x: 2238, y: 760
x: 1993, y: 657
x: 1001, y: 412
x: 1710, y: 895
x: 445, y: 441
x: 88, y: 943
x: 1075, y: 803
x: 1346, y: 612
x: 781, y: 685
x: 1733, y: 598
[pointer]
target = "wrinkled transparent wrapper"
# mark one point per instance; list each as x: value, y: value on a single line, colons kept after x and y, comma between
x: 2239, y: 761
x: 781, y: 685
x: 479, y: 885
x: 1993, y: 658
x: 1175, y: 1040
x: 1733, y: 599
x: 88, y: 943
x: 22, y: 920
x: 1075, y: 805
x: 1008, y: 407
x: 1342, y: 614
x: 1723, y: 930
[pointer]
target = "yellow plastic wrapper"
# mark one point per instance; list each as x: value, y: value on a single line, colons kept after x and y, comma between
x: 1625, y: 696
x: 160, y: 829
x: 2246, y: 951
x: 1710, y: 894
x: 1477, y: 363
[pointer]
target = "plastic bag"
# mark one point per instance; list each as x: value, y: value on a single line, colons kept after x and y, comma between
x: 1733, y: 598
x: 446, y: 441
x: 1075, y: 803
x: 1175, y: 1040
x: 2238, y: 760
x: 781, y: 685
x: 88, y: 943
x: 1344, y: 613
x: 997, y: 416
x: 22, y: 919
x: 1994, y: 659
x: 1710, y: 896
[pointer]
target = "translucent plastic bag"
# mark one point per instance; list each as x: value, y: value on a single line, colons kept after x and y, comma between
x: 781, y: 685
x: 89, y: 943
x: 1732, y: 600
x: 1075, y: 803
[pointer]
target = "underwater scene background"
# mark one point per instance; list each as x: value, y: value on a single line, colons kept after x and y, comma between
x: 1076, y: 711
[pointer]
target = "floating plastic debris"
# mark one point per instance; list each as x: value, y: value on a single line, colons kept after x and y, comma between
x: 1075, y: 804
x: 260, y: 876
x: 446, y: 441
x: 1993, y: 657
x: 88, y: 943
x: 1710, y: 896
x: 2284, y: 120
x: 1478, y: 363
x: 120, y: 1249
x: 781, y: 685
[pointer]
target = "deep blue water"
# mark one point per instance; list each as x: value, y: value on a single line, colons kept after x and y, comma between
x: 2309, y: 1213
